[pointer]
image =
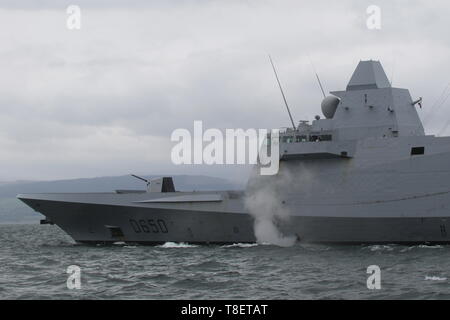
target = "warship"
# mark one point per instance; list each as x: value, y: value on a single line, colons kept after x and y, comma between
x: 365, y: 172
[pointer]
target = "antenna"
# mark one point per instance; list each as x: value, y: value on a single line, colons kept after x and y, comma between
x: 438, y: 103
x: 418, y: 101
x: 320, y: 84
x: 448, y: 121
x: 317, y: 76
x: 282, y: 93
x: 444, y: 128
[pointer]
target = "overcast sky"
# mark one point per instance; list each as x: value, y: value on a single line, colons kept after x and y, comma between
x: 104, y: 100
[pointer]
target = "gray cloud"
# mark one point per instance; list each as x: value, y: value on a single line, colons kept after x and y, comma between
x: 104, y: 99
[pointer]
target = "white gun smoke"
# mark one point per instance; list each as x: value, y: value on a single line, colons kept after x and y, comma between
x: 264, y: 200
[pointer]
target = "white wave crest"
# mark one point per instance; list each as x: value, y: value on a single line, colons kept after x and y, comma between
x: 434, y: 278
x: 177, y: 245
x: 240, y: 245
x: 430, y: 247
x: 381, y: 248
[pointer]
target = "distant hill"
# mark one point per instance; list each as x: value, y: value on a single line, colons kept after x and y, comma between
x: 14, y: 211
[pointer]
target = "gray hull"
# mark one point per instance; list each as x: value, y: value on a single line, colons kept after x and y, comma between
x: 101, y: 223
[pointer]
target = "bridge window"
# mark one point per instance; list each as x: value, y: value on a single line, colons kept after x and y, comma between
x: 323, y: 137
x: 417, y: 151
x: 300, y: 138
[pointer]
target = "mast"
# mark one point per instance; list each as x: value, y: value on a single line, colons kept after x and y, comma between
x: 282, y: 93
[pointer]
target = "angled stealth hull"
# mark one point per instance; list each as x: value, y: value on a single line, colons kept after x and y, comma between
x: 112, y: 217
x: 102, y: 223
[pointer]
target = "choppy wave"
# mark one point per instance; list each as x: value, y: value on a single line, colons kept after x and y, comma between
x: 381, y: 247
x: 434, y: 278
x: 240, y: 245
x: 422, y: 246
x: 425, y: 246
x: 34, y: 261
x: 177, y: 245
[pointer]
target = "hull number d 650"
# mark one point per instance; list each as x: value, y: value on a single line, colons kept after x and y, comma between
x: 149, y: 226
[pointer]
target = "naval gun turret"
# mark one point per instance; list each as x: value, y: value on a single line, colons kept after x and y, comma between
x: 163, y: 184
